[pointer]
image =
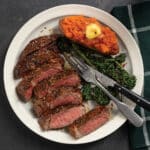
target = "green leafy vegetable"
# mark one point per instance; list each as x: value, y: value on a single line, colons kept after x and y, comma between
x: 99, y: 96
x: 111, y: 66
x: 87, y: 91
x: 120, y: 58
x: 96, y: 94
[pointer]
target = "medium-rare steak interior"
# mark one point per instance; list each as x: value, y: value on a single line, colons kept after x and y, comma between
x: 89, y: 122
x: 57, y: 97
x: 25, y: 87
x: 61, y: 117
x: 65, y: 78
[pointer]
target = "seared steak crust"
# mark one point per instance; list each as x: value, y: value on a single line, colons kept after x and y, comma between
x: 38, y: 43
x: 36, y: 60
x: 57, y: 97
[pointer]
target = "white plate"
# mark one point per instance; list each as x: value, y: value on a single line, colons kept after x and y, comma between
x: 42, y: 24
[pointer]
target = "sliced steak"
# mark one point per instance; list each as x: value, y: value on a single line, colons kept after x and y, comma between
x: 65, y: 78
x: 61, y: 117
x: 36, y: 60
x: 38, y: 43
x: 58, y: 97
x: 68, y: 78
x: 25, y: 87
x: 89, y: 122
x: 41, y: 90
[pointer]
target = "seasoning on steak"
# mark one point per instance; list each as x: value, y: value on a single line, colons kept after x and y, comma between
x: 41, y: 89
x: 89, y: 122
x: 36, y: 60
x: 69, y: 78
x: 61, y: 117
x: 25, y: 87
x: 65, y: 78
x: 58, y: 97
x: 40, y: 42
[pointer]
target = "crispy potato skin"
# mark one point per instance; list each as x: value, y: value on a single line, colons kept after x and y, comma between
x: 74, y: 27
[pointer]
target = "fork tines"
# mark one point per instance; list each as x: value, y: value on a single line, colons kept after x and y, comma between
x: 77, y: 63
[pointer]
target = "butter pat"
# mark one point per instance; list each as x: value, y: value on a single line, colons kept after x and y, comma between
x: 92, y: 31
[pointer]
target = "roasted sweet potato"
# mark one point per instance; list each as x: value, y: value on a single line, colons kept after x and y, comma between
x: 90, y: 33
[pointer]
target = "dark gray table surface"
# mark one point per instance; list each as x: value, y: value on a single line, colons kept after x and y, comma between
x: 13, y: 134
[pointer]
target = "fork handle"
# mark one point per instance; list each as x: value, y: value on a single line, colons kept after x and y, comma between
x: 130, y: 114
x: 133, y: 96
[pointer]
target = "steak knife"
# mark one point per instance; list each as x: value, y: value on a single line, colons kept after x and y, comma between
x: 139, y: 100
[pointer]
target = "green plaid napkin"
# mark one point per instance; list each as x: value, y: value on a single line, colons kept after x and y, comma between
x: 137, y: 19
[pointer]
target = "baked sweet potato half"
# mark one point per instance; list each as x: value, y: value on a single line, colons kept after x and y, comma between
x: 90, y: 33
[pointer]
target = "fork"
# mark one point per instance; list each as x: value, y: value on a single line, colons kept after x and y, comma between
x: 89, y: 75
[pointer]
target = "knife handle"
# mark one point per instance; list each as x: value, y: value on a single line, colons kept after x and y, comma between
x: 133, y: 96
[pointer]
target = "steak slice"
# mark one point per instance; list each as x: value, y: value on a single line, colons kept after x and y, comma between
x: 58, y: 97
x: 61, y: 117
x: 89, y: 122
x: 68, y: 78
x: 36, y: 60
x: 41, y: 90
x: 25, y: 87
x: 65, y: 78
x: 38, y: 43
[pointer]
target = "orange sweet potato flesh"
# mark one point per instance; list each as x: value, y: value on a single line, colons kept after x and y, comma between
x: 74, y: 27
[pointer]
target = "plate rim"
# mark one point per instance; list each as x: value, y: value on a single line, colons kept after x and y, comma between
x: 36, y: 17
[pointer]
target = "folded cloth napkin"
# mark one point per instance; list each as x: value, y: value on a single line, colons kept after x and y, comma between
x: 137, y: 19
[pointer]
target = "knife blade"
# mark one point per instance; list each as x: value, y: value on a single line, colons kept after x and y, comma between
x: 139, y: 100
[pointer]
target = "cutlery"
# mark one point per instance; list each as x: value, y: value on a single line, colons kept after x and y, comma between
x: 91, y: 75
x: 107, y: 81
x: 139, y: 100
